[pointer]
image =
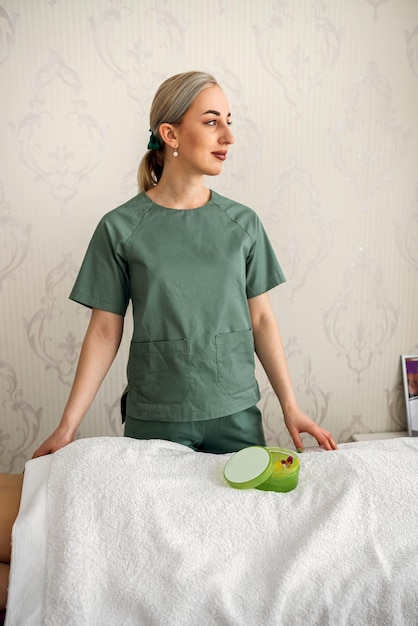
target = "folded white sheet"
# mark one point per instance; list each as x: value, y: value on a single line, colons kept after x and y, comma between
x: 29, y: 541
x: 150, y: 533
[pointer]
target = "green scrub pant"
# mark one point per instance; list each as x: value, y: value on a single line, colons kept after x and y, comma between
x: 218, y: 436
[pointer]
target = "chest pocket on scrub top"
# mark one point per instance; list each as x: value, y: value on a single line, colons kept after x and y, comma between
x: 158, y: 371
x: 235, y: 361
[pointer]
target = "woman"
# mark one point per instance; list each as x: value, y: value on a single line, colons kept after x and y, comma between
x: 197, y: 268
x: 10, y: 493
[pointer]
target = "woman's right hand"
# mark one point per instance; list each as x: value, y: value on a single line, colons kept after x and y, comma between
x: 56, y: 441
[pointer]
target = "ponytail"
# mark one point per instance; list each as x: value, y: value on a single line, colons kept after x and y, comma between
x: 150, y: 169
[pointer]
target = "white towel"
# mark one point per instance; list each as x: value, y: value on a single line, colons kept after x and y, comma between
x: 149, y: 533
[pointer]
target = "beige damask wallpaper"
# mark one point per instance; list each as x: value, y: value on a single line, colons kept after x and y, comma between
x: 324, y: 96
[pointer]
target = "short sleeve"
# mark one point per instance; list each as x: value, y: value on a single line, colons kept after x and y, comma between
x: 103, y: 279
x: 263, y: 269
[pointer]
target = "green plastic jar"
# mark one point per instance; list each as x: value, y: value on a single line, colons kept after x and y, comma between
x: 267, y: 468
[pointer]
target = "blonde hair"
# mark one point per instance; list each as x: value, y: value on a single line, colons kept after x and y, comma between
x: 170, y: 103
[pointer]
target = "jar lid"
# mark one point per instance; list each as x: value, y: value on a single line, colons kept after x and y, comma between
x: 248, y: 468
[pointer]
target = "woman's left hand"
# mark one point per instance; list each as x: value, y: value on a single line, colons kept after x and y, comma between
x: 298, y: 422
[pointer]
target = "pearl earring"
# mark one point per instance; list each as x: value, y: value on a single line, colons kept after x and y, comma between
x: 175, y: 153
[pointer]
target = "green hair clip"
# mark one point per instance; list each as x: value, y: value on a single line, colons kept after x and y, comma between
x: 154, y: 143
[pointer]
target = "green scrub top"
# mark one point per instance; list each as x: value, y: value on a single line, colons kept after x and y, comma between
x: 188, y: 274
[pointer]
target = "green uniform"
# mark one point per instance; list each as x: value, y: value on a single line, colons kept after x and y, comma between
x: 188, y: 274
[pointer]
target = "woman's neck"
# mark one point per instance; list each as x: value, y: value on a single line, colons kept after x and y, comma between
x: 179, y: 194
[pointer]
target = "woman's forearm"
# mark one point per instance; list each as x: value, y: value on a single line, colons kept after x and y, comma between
x: 98, y: 351
x: 100, y: 346
x: 269, y: 349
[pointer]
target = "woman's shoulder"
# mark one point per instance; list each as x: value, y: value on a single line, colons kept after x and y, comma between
x: 240, y: 213
x: 119, y: 223
x: 131, y: 210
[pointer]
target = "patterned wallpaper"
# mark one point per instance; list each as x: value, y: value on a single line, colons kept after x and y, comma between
x: 324, y: 96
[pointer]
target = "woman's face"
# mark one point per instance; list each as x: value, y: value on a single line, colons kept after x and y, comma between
x: 204, y: 135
